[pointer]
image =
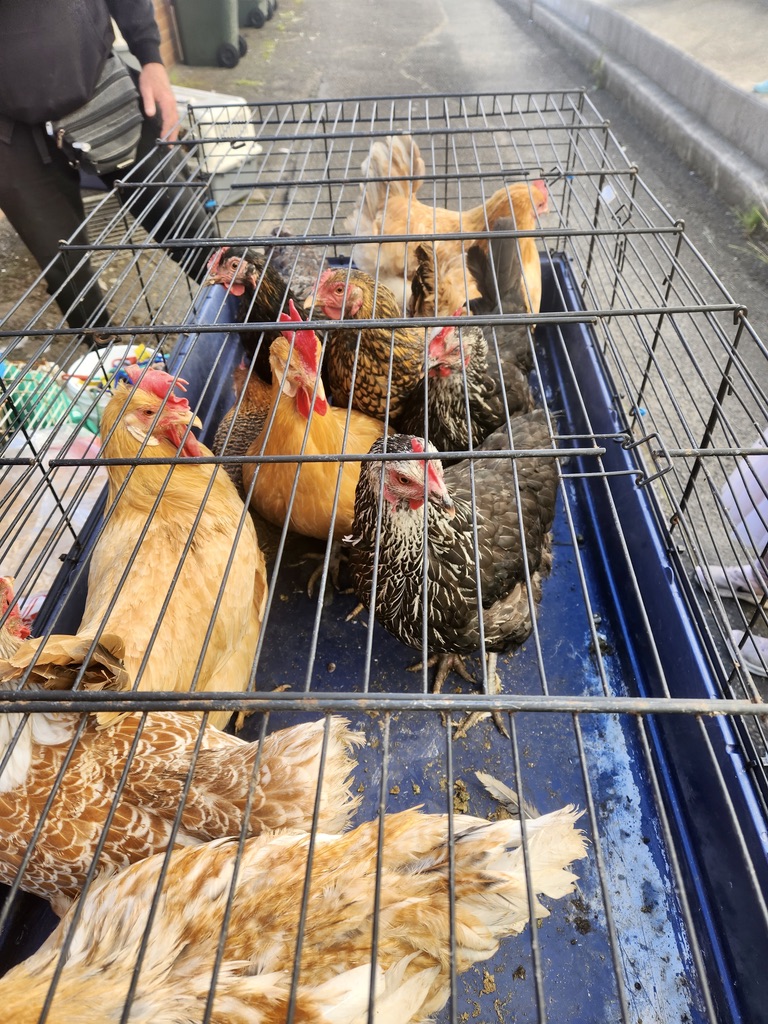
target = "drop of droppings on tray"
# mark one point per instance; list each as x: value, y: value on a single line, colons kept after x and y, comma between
x: 460, y: 797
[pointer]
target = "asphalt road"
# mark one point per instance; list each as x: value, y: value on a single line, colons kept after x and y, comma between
x: 368, y: 48
x: 354, y: 48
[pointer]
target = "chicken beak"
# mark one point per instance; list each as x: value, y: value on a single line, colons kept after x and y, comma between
x: 182, y: 417
x: 439, y: 496
x: 185, y: 416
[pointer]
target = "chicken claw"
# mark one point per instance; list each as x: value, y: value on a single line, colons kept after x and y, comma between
x: 360, y: 607
x: 334, y: 567
x: 494, y: 686
x: 446, y: 663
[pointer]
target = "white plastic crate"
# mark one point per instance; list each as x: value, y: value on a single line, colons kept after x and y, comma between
x: 219, y: 116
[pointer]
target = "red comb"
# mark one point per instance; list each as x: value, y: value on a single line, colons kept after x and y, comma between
x: 416, y: 444
x: 292, y: 316
x: 160, y: 384
x: 215, y: 261
x: 304, y: 342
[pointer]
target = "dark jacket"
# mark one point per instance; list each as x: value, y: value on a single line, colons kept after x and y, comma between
x: 52, y: 51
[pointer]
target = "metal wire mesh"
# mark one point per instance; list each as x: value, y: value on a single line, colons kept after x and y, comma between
x: 630, y: 699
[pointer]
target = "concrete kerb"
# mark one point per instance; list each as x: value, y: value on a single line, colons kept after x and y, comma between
x: 613, y: 46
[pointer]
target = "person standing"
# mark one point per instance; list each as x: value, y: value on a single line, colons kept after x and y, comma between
x: 52, y: 53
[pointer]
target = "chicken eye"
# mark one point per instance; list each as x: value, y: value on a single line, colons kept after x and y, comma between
x: 403, y: 479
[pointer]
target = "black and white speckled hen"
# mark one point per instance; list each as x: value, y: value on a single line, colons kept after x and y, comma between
x: 465, y: 391
x: 509, y: 562
x: 263, y: 295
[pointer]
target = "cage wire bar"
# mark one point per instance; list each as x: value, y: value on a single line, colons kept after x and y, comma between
x: 631, y: 698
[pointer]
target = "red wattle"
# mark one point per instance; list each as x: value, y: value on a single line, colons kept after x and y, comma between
x: 302, y: 403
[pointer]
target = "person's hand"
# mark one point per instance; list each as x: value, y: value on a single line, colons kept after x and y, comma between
x: 158, y: 98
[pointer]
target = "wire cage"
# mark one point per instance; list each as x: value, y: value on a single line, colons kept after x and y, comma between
x: 634, y: 696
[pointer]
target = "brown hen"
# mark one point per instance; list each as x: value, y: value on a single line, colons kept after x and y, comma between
x: 283, y: 794
x: 378, y: 366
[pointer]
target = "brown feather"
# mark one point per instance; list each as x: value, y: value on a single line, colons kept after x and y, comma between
x: 359, y: 359
x: 283, y: 795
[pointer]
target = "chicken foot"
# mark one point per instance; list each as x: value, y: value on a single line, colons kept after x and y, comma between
x: 494, y: 686
x: 334, y: 567
x: 447, y: 663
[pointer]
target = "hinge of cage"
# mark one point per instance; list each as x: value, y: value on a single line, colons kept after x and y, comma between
x: 658, y: 455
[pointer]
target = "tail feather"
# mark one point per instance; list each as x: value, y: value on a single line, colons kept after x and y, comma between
x: 500, y: 281
x: 344, y: 999
x: 393, y: 158
x: 337, y: 804
x: 499, y: 277
x: 493, y: 853
x: 54, y: 663
x: 507, y: 796
x: 390, y: 159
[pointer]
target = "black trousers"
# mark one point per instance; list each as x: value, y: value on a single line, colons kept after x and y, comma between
x: 40, y: 196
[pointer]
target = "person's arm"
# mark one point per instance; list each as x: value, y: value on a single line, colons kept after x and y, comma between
x: 157, y: 95
x: 136, y: 21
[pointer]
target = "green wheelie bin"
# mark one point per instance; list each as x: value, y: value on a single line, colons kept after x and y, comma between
x: 255, y: 13
x: 208, y: 30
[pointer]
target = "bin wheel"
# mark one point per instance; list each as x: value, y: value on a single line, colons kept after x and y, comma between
x: 255, y: 18
x: 227, y: 55
x: 242, y: 46
x: 271, y: 8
